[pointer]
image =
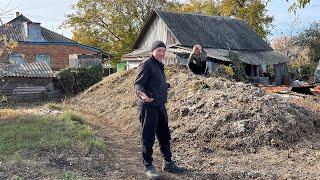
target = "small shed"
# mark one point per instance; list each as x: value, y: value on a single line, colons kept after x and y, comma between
x: 219, y: 36
x: 26, y: 82
x: 84, y: 60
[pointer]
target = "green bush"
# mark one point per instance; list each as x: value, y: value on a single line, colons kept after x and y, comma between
x: 293, y: 70
x: 226, y: 71
x: 73, y: 81
x: 308, y: 69
x: 301, y: 72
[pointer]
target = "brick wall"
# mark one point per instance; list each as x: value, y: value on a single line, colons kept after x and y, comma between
x: 59, y: 54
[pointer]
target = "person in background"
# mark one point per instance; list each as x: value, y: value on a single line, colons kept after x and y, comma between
x: 152, y: 90
x: 263, y: 70
x: 197, y: 60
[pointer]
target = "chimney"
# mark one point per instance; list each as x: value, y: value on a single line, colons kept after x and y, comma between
x: 33, y: 31
x: 17, y: 14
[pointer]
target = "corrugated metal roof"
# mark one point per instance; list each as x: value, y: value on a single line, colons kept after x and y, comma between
x: 51, y: 36
x: 17, y: 33
x: 138, y: 53
x: 12, y: 32
x: 249, y: 57
x: 38, y: 69
x: 209, y: 31
x: 261, y: 57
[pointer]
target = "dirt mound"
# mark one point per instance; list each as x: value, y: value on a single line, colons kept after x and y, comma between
x: 208, y: 113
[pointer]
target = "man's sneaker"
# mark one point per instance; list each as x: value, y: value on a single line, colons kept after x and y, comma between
x: 151, y: 172
x: 171, y: 167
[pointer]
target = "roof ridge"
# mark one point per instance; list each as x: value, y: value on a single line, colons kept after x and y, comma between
x: 196, y: 14
x: 20, y: 16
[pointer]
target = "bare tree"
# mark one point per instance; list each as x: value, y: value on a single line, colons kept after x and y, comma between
x: 5, y: 9
x: 6, y: 44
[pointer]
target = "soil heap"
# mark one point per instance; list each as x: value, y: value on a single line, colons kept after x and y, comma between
x: 214, y: 112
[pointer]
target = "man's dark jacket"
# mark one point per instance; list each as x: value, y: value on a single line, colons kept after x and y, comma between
x: 152, y: 81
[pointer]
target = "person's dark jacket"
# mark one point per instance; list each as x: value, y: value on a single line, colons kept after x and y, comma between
x: 198, y: 59
x: 197, y: 63
x: 152, y: 81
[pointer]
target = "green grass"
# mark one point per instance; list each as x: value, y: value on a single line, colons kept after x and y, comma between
x: 69, y: 175
x: 54, y: 106
x: 70, y: 116
x: 44, y: 132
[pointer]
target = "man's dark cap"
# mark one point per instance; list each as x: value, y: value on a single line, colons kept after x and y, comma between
x: 157, y: 44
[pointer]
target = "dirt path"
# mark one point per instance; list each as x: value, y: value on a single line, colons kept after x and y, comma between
x: 123, y: 153
x: 122, y: 159
x: 230, y: 129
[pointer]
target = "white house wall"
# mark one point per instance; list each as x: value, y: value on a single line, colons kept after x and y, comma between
x: 158, y: 30
x: 132, y: 64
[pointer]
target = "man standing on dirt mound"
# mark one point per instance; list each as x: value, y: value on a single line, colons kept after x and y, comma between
x: 152, y: 90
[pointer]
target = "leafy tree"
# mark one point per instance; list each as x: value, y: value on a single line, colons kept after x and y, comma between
x: 6, y: 46
x: 251, y: 11
x: 285, y: 45
x: 206, y: 7
x: 302, y: 3
x: 310, y: 38
x: 111, y: 25
x: 298, y: 4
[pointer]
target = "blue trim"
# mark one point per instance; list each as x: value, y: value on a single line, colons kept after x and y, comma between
x: 63, y: 43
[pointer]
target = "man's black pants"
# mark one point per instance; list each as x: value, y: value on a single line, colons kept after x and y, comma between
x: 154, y: 121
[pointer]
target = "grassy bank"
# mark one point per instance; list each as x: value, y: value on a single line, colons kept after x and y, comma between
x: 40, y: 132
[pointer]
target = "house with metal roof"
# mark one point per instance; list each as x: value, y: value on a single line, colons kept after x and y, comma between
x: 36, y: 44
x: 26, y: 81
x: 219, y: 36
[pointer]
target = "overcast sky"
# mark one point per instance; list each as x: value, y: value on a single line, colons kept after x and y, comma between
x: 51, y: 14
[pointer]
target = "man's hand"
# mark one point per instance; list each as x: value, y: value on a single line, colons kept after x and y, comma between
x: 144, y: 97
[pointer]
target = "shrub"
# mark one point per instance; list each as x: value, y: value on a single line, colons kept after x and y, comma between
x: 224, y: 70
x: 301, y: 72
x: 73, y: 81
